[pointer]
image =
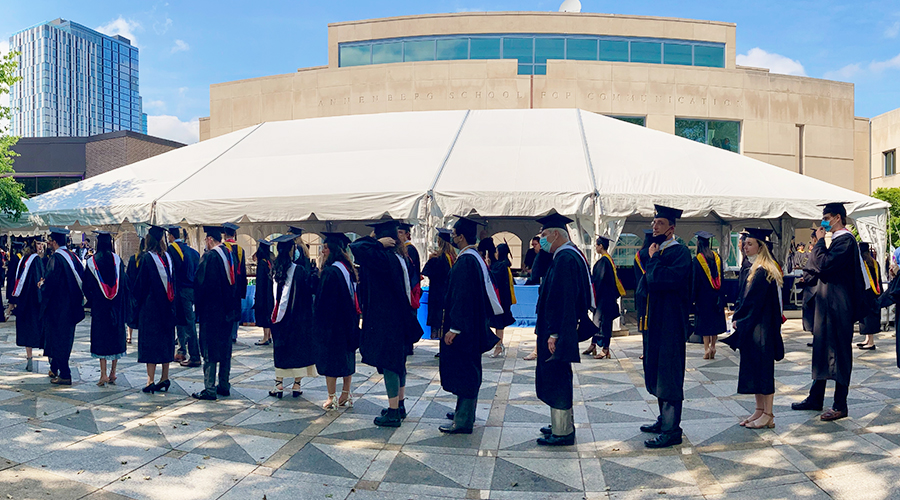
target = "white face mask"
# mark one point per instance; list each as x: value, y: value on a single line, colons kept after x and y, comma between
x: 752, y: 258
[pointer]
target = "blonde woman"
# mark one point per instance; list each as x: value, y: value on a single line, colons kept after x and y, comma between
x: 757, y: 326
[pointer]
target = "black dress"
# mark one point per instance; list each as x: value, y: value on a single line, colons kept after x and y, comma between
x: 709, y: 309
x: 28, y: 303
x: 336, y: 324
x: 107, y: 314
x: 758, y: 335
x: 155, y: 311
x: 294, y: 345
x: 871, y: 322
x: 502, y: 278
x: 263, y: 300
x: 214, y: 300
x: 438, y: 271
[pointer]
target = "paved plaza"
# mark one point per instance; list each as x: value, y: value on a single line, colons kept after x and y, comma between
x: 118, y: 443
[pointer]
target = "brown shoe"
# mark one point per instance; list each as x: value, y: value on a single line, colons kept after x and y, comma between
x: 61, y: 381
x: 833, y: 414
x: 179, y: 358
x: 51, y: 374
x: 190, y: 364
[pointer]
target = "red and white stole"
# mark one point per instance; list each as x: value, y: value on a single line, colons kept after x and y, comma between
x: 69, y: 256
x: 226, y: 261
x: 109, y: 291
x: 165, y: 276
x: 282, y: 299
x: 22, y: 273
x: 486, y: 277
x: 405, y: 278
x: 587, y: 269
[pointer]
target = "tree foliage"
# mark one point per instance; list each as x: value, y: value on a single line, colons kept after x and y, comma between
x: 892, y: 196
x: 11, y: 192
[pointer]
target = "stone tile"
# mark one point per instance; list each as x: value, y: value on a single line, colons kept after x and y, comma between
x: 192, y: 477
x: 31, y: 483
x: 99, y: 463
x: 254, y: 486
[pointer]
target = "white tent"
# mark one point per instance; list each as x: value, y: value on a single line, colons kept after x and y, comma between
x: 507, y: 165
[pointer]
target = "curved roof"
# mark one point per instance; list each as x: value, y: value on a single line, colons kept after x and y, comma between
x: 498, y: 163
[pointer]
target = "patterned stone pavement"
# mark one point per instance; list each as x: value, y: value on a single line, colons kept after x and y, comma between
x: 117, y: 443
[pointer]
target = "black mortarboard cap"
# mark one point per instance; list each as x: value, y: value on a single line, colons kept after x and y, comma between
x: 554, y: 220
x: 385, y: 228
x: 406, y: 226
x: 863, y: 247
x: 231, y: 226
x: 214, y: 231
x: 661, y: 212
x: 759, y: 234
x: 465, y: 224
x: 104, y: 236
x: 603, y: 240
x: 58, y: 230
x: 264, y: 242
x: 157, y: 232
x: 445, y: 234
x: 339, y: 238
x: 834, y: 208
x: 704, y: 235
x: 285, y: 238
x: 296, y: 231
x: 174, y: 230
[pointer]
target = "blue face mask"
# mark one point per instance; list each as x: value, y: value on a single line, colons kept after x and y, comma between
x: 545, y: 245
x: 826, y: 224
x: 296, y: 254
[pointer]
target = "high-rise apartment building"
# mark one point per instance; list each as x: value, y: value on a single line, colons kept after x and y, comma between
x: 75, y: 82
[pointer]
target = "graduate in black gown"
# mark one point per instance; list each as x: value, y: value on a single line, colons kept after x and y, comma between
x: 607, y: 289
x: 263, y: 298
x: 109, y: 296
x: 757, y: 332
x: 154, y: 292
x: 131, y: 271
x: 25, y: 299
x: 12, y: 264
x: 336, y: 319
x: 640, y: 284
x: 501, y: 274
x: 414, y: 267
x: 807, y: 283
x: 708, y: 303
x: 295, y: 348
x: 184, y: 261
x: 870, y: 324
x: 389, y: 320
x: 62, y: 305
x: 890, y: 297
x: 240, y: 273
x: 437, y: 269
x: 470, y: 305
x: 744, y: 273
x: 838, y: 270
x: 564, y: 301
x: 668, y: 282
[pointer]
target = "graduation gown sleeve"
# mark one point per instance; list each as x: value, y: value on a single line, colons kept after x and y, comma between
x: 263, y: 300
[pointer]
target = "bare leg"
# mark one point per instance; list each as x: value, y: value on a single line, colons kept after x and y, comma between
x: 760, y: 408
x: 165, y: 372
x: 402, y: 393
x: 499, y: 347
x: 705, y: 347
x: 345, y: 390
x: 103, y: 378
x: 151, y: 373
x: 129, y: 334
x: 870, y: 340
x: 712, y: 344
x: 112, y: 371
x: 28, y: 352
x: 267, y: 334
x: 331, y: 385
x: 531, y: 356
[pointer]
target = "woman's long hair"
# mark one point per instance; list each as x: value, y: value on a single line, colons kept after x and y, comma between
x: 340, y: 253
x: 867, y: 257
x: 487, y: 249
x: 704, y: 249
x: 152, y: 244
x: 263, y: 252
x: 445, y: 250
x: 503, y: 253
x: 283, y: 261
x: 765, y: 261
x: 29, y: 248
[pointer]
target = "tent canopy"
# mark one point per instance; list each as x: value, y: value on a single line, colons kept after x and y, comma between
x: 429, y: 165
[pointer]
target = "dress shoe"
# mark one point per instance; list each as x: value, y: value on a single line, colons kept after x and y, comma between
x: 453, y: 429
x: 51, y: 374
x: 547, y: 430
x: 190, y: 363
x: 664, y: 440
x: 806, y: 404
x: 179, y: 358
x: 867, y: 347
x: 204, y: 396
x: 61, y: 381
x: 655, y: 428
x: 833, y: 414
x: 391, y: 418
x: 163, y: 385
x: 451, y: 415
x: 402, y: 408
x: 221, y: 391
x: 553, y: 440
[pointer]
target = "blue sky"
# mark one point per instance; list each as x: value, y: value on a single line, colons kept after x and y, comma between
x: 187, y: 45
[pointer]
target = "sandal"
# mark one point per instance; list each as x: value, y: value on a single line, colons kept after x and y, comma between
x: 347, y: 402
x: 531, y: 357
x: 295, y: 390
x: 279, y: 389
x: 604, y: 354
x: 330, y: 404
x: 263, y: 342
x: 102, y: 382
x: 767, y: 425
x: 112, y: 380
x: 496, y: 354
x: 751, y: 419
x: 591, y: 351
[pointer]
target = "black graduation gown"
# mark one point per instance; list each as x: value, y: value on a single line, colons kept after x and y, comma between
x: 468, y: 311
x: 668, y: 302
x: 438, y: 271
x: 240, y: 276
x: 758, y: 336
x: 107, y: 316
x: 11, y: 274
x: 709, y: 307
x: 541, y: 265
x: 28, y: 304
x: 214, y: 301
x: 742, y: 281
x: 263, y: 299
x: 640, y: 288
x: 62, y: 304
x: 177, y: 271
x: 132, y: 273
x: 838, y: 305
x: 501, y: 277
x: 155, y: 313
x: 871, y: 322
x: 389, y: 322
x: 808, y: 285
x: 886, y: 299
x: 415, y: 270
x: 294, y: 342
x: 607, y: 292
x: 563, y: 304
x: 336, y: 325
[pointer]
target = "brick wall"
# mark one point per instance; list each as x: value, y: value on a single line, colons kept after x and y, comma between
x: 109, y: 154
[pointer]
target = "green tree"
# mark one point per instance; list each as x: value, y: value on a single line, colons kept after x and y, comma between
x: 892, y: 196
x: 11, y: 192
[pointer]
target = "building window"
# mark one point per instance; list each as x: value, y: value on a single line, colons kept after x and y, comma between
x: 637, y: 120
x: 720, y: 134
x: 890, y: 162
x: 34, y: 186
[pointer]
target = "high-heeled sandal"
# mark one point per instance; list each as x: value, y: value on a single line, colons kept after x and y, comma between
x: 604, y: 354
x: 531, y: 356
x: 331, y: 404
x: 112, y: 380
x: 750, y: 418
x: 295, y: 390
x: 768, y: 425
x: 590, y: 351
x: 279, y: 390
x: 102, y: 383
x: 712, y: 353
x: 706, y: 354
x: 347, y: 402
x: 500, y: 354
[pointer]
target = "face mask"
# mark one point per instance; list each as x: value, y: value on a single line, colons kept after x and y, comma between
x: 826, y: 224
x: 296, y: 254
x: 752, y: 258
x: 658, y: 239
x: 454, y: 244
x: 545, y: 245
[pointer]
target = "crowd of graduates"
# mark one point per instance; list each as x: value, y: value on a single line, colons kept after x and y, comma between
x: 363, y: 295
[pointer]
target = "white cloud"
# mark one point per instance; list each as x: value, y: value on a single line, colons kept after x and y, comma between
x: 4, y: 97
x: 154, y: 105
x: 180, y: 46
x: 170, y: 127
x: 892, y: 31
x: 879, y: 66
x: 776, y: 63
x: 4, y: 47
x: 121, y: 26
x: 162, y: 28
x: 844, y: 74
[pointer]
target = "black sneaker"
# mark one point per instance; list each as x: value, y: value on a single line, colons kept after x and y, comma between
x: 806, y: 404
x: 204, y: 396
x: 553, y: 440
x: 391, y: 418
x: 402, y: 408
x: 223, y: 392
x: 655, y: 428
x: 664, y: 440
